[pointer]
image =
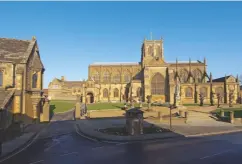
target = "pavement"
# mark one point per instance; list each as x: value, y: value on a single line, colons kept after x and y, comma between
x: 34, y: 131
x: 66, y: 146
x: 58, y: 143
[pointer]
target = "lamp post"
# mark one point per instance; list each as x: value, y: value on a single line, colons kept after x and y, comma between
x: 171, y: 107
x: 85, y: 99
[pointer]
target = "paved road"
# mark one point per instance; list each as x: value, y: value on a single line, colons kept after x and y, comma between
x: 59, y: 144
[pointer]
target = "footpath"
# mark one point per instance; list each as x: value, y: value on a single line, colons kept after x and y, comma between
x: 196, y: 127
x: 12, y: 147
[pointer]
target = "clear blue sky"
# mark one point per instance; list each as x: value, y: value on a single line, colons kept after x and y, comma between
x: 71, y: 35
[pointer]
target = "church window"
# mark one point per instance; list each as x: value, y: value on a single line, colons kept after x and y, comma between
x: 183, y: 74
x: 158, y: 50
x: 139, y: 92
x: 116, y: 78
x: 34, y: 80
x: 106, y: 77
x: 197, y: 76
x: 105, y: 92
x: 127, y: 78
x: 157, y: 84
x: 188, y: 92
x: 203, y: 91
x: 96, y: 77
x: 150, y: 50
x: 116, y: 92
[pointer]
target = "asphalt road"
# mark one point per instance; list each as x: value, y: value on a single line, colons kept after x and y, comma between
x: 59, y: 144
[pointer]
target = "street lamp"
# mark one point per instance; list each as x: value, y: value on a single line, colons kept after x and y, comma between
x: 171, y: 107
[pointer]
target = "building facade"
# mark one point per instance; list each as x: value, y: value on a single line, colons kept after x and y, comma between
x: 21, y: 81
x: 118, y: 82
x: 61, y: 89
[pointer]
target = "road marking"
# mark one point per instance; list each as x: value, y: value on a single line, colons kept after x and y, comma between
x: 69, y: 153
x: 122, y: 143
x: 36, y: 162
x: 48, y: 148
x: 31, y: 142
x: 209, y: 156
x: 83, y: 135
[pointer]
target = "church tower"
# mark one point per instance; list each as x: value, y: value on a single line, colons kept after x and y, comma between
x: 152, y: 50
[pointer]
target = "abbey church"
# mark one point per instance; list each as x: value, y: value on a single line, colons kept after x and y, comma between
x: 120, y: 81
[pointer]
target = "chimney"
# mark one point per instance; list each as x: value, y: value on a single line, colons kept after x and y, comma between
x: 63, y: 78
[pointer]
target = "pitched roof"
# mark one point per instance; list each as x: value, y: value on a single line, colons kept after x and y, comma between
x: 4, y: 97
x: 221, y: 79
x: 13, y: 50
x: 115, y: 63
x: 71, y: 84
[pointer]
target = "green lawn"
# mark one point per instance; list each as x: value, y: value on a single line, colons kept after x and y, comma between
x: 237, y: 111
x: 196, y: 104
x: 57, y: 106
x: 100, y: 106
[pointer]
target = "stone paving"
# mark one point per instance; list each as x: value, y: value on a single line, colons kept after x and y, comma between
x: 195, y: 127
x: 28, y: 135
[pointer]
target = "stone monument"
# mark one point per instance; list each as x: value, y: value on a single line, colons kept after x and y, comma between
x: 45, y: 115
x: 134, y: 121
x: 78, y: 107
x: 149, y: 101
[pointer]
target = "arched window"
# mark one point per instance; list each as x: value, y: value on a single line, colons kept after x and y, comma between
x: 116, y: 78
x: 189, y: 92
x: 157, y: 84
x: 150, y: 50
x: 158, y: 50
x: 204, y: 91
x: 139, y: 92
x: 105, y: 92
x: 34, y: 80
x: 197, y: 76
x: 1, y: 78
x: 219, y: 90
x: 127, y: 78
x: 106, y: 77
x: 96, y: 77
x: 183, y: 74
x: 115, y: 92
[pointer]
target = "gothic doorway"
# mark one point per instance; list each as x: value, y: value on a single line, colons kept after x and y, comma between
x: 90, y: 97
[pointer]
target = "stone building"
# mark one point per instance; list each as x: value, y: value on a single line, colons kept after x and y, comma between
x: 61, y: 89
x: 21, y: 81
x: 118, y: 82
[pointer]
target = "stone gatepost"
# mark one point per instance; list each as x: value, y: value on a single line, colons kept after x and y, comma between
x: 222, y: 113
x: 45, y: 115
x: 134, y: 121
x: 182, y: 113
x: 160, y: 116
x: 231, y: 117
x: 78, y: 107
x: 186, y: 116
x: 78, y: 110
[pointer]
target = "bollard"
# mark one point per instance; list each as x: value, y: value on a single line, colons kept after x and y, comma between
x: 181, y: 113
x: 222, y: 113
x: 231, y: 117
x: 160, y: 116
x: 186, y: 116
